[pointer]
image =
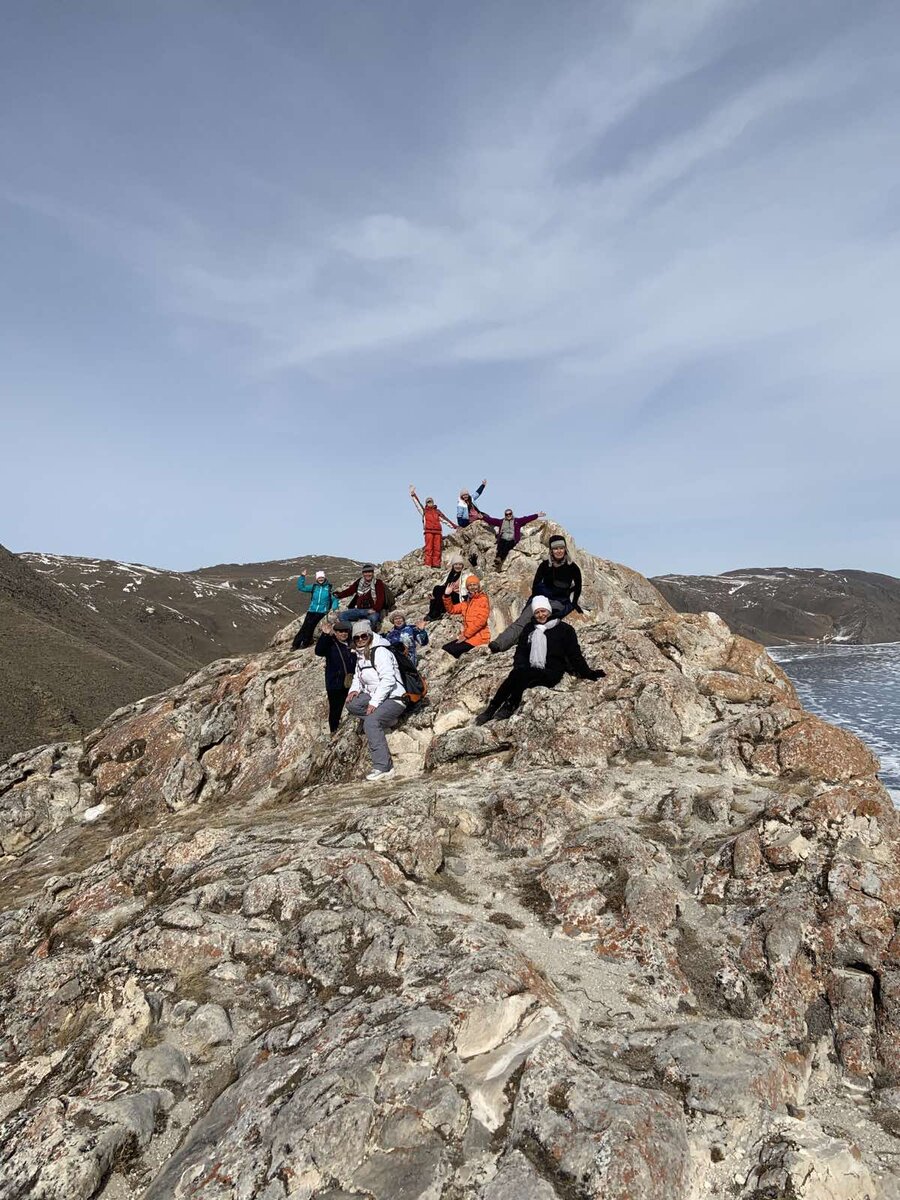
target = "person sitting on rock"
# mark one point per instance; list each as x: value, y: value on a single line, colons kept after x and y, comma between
x: 467, y: 510
x: 323, y: 601
x: 476, y: 612
x: 370, y: 598
x: 340, y: 664
x: 547, y: 649
x: 509, y: 532
x: 450, y: 587
x: 409, y: 636
x: 434, y: 535
x: 557, y: 578
x: 376, y: 695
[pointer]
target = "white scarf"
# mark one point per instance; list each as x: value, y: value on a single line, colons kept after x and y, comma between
x: 538, y: 639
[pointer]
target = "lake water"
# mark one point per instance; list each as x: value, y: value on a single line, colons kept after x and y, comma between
x: 857, y: 687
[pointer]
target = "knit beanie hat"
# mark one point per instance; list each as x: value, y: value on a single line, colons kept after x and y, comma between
x: 320, y: 574
x: 368, y: 567
x: 457, y: 562
x: 557, y: 540
x: 540, y: 602
x: 472, y: 579
x: 397, y: 613
x: 361, y: 627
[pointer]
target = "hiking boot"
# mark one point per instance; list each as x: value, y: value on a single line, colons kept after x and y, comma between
x: 487, y: 715
x: 504, y: 712
x: 374, y: 776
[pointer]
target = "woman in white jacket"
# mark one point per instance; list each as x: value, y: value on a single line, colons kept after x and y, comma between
x: 376, y: 695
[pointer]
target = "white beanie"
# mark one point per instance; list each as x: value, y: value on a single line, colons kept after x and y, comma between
x: 320, y: 574
x: 541, y: 602
x: 361, y: 627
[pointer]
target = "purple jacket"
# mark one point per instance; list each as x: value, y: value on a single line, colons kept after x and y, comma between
x: 518, y: 522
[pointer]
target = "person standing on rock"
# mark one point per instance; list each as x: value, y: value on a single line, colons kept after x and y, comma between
x: 376, y: 695
x: 434, y: 535
x: 409, y: 636
x: 559, y: 580
x: 340, y: 665
x: 509, y: 532
x: 323, y: 601
x: 476, y: 613
x: 450, y: 587
x: 467, y: 510
x: 547, y: 650
x: 370, y: 598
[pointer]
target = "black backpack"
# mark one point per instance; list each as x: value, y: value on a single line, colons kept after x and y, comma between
x: 414, y: 683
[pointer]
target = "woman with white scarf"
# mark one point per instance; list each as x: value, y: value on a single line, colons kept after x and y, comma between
x: 547, y: 650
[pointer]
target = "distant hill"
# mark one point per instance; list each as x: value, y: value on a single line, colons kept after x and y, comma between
x: 81, y: 636
x: 780, y: 605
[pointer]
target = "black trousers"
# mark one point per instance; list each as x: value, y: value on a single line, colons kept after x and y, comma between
x: 336, y: 700
x: 457, y: 648
x: 517, y: 682
x: 436, y: 608
x: 304, y: 635
x: 503, y: 548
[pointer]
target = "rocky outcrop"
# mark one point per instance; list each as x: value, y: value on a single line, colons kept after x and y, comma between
x: 638, y: 941
x: 778, y: 605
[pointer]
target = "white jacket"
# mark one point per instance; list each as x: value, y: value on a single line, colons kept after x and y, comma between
x: 378, y: 674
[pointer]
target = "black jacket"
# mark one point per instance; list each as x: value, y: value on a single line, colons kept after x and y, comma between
x: 340, y: 660
x: 563, y: 652
x: 561, y: 582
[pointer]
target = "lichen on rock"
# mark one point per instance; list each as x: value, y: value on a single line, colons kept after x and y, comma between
x: 638, y: 941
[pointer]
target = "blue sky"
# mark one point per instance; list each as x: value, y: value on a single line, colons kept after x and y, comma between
x: 265, y: 264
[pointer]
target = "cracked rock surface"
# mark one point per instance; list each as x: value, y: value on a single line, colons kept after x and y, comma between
x: 638, y: 942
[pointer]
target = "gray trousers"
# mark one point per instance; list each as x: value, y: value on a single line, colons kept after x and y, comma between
x: 385, y: 717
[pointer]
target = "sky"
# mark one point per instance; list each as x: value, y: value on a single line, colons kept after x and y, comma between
x: 264, y: 264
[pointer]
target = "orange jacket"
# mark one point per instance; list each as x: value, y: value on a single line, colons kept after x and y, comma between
x: 475, y: 614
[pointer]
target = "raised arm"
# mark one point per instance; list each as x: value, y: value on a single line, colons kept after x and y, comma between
x: 480, y: 489
x: 495, y: 521
x: 415, y: 499
x: 302, y: 586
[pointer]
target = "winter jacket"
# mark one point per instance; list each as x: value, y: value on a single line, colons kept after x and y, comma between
x: 562, y: 582
x: 431, y: 516
x: 407, y: 636
x: 378, y: 673
x: 476, y: 612
x: 340, y: 660
x: 563, y: 652
x: 323, y: 597
x: 466, y: 513
x: 365, y: 599
x: 518, y: 522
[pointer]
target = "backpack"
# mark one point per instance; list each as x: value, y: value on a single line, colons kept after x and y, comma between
x: 414, y: 683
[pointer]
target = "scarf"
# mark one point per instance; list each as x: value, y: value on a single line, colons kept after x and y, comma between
x: 508, y: 529
x: 538, y: 639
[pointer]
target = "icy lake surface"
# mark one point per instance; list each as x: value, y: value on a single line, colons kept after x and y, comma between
x: 854, y: 686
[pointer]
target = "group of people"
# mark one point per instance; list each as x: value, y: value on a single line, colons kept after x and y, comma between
x: 364, y: 670
x: 509, y: 527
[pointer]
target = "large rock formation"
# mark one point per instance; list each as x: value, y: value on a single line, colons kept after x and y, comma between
x: 81, y: 636
x: 639, y: 941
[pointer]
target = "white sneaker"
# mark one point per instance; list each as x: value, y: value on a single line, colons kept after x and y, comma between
x: 373, y: 775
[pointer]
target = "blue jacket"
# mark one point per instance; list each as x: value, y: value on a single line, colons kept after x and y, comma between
x: 322, y: 596
x: 408, y: 636
x: 463, y: 511
x: 340, y: 660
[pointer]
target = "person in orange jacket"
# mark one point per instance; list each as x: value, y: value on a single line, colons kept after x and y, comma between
x: 434, y: 535
x: 476, y: 612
